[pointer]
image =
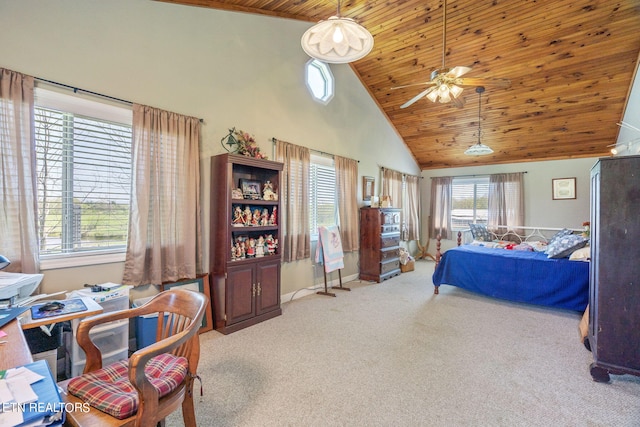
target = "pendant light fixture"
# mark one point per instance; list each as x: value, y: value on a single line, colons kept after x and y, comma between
x: 479, y: 149
x: 338, y: 40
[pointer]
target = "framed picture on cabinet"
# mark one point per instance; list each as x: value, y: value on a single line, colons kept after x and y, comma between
x: 368, y: 188
x: 250, y: 188
x: 199, y: 284
x: 563, y: 188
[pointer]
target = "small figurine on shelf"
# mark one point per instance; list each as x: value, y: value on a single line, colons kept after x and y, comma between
x: 271, y: 244
x: 255, y: 219
x: 236, y: 193
x: 247, y: 215
x: 251, y: 249
x: 238, y: 219
x: 260, y: 247
x: 264, y: 218
x: 268, y: 193
x: 273, y: 219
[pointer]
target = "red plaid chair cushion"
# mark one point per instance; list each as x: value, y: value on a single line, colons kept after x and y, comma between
x: 109, y: 389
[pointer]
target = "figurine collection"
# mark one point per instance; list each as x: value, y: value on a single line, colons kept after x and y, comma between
x: 250, y: 247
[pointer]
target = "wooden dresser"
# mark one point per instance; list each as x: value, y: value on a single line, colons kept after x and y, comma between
x: 614, y: 276
x: 379, y: 243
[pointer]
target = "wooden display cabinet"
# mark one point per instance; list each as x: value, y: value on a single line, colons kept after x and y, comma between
x: 245, y: 232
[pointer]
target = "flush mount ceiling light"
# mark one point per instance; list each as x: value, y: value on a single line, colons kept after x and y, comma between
x: 338, y: 40
x: 478, y: 149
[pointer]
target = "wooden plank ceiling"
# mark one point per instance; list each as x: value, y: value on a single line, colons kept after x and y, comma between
x: 570, y: 64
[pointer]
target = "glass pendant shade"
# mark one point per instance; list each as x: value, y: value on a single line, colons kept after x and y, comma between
x: 478, y: 149
x: 337, y: 40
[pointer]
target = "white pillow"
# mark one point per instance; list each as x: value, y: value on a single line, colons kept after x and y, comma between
x: 582, y: 254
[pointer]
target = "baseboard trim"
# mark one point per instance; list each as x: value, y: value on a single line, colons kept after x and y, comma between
x: 309, y: 291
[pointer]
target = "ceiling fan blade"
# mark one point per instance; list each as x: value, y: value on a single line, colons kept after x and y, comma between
x: 412, y: 84
x: 489, y: 82
x: 458, y: 71
x: 417, y: 97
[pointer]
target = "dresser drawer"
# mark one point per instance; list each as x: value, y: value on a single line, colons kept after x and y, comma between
x: 391, y: 218
x: 389, y: 240
x: 386, y: 267
x: 391, y: 228
x: 389, y: 254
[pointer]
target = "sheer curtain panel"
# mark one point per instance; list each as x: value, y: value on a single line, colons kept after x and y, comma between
x: 18, y: 189
x: 412, y: 207
x: 440, y: 210
x: 506, y: 199
x: 296, y: 242
x: 392, y: 186
x: 347, y: 188
x: 164, y: 227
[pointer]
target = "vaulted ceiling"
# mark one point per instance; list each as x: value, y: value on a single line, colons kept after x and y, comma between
x: 570, y: 64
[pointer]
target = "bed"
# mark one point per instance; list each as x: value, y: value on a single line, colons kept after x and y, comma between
x: 516, y: 275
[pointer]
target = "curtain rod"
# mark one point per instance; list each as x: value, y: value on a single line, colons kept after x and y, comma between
x: 474, y: 176
x: 382, y: 168
x: 314, y: 150
x: 76, y: 90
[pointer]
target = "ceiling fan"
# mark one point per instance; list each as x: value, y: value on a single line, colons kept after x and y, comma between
x: 445, y: 83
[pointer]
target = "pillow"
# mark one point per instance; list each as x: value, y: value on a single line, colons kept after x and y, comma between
x: 524, y: 246
x: 538, y: 246
x: 559, y: 234
x: 480, y: 232
x: 564, y: 246
x: 582, y: 254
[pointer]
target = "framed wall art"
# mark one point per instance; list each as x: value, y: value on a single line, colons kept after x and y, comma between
x: 563, y: 188
x: 368, y: 188
x: 199, y: 284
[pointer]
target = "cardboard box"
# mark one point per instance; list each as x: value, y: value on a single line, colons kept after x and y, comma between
x: 409, y: 266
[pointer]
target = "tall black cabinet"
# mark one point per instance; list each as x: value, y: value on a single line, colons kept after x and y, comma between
x: 614, y: 300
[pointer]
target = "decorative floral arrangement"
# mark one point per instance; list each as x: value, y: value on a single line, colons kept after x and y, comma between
x: 587, y: 229
x: 247, y: 145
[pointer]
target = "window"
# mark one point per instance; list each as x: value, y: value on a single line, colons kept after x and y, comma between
x: 83, y: 151
x: 323, y: 206
x: 319, y: 80
x: 469, y: 202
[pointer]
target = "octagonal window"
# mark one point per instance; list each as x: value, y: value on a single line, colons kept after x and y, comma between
x: 319, y: 81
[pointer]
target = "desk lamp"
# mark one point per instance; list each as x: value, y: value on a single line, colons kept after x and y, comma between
x: 4, y: 262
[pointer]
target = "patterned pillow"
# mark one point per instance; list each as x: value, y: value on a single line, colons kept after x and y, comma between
x: 564, y: 246
x: 480, y: 232
x: 559, y: 234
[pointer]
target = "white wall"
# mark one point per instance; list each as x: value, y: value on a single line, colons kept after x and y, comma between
x: 540, y: 208
x: 231, y: 69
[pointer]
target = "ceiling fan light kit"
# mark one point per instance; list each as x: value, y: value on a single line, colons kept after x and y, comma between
x: 444, y: 84
x: 479, y: 149
x: 338, y: 40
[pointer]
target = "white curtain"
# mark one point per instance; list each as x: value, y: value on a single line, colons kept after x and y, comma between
x: 440, y: 210
x: 347, y: 190
x: 164, y: 227
x: 18, y: 188
x: 296, y: 242
x: 392, y: 186
x: 412, y: 207
x: 506, y: 199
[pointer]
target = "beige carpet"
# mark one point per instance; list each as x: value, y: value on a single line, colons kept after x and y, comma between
x: 394, y: 354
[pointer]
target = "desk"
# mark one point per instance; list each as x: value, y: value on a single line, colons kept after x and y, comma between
x: 16, y: 351
x: 92, y: 308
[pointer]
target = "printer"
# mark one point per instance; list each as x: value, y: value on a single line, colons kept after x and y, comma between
x: 16, y: 288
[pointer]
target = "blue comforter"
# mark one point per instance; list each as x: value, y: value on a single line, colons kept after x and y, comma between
x: 520, y: 276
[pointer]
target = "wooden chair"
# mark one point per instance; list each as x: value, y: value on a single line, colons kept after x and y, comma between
x: 180, y: 314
